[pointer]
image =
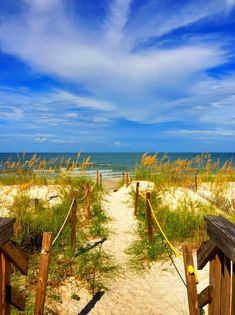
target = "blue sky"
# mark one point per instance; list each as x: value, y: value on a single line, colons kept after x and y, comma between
x: 117, y: 75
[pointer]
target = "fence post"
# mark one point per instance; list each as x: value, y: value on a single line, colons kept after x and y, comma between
x: 97, y: 178
x: 43, y: 273
x: 149, y: 217
x: 195, y: 180
x: 101, y: 183
x: 136, y: 198
x: 127, y: 178
x: 123, y: 178
x: 190, y: 280
x: 5, y: 283
x: 73, y: 222
x: 88, y: 201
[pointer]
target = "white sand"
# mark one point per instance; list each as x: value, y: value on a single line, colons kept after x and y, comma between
x: 156, y: 291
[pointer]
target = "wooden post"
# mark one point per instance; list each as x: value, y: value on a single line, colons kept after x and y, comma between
x: 88, y: 201
x: 73, y: 222
x: 101, y: 183
x: 36, y: 204
x: 5, y: 284
x: 190, y: 280
x: 149, y: 217
x: 97, y: 178
x: 195, y: 180
x: 43, y: 273
x: 225, y: 286
x: 136, y: 198
x: 215, y: 282
x: 127, y: 179
x: 233, y: 290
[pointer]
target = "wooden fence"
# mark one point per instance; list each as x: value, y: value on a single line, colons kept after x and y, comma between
x: 219, y: 252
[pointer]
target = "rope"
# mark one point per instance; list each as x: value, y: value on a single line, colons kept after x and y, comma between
x: 191, y: 269
x: 65, y: 221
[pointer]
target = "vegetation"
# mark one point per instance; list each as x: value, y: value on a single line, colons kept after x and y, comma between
x: 184, y: 223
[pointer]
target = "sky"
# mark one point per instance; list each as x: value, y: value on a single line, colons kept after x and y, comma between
x: 117, y: 75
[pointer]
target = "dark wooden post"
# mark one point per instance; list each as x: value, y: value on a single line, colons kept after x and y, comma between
x: 97, y: 178
x: 43, y: 273
x: 5, y: 285
x: 88, y: 201
x: 73, y: 222
x: 149, y: 217
x: 233, y: 290
x: 36, y: 204
x: 101, y: 182
x: 136, y: 198
x: 190, y: 280
x: 226, y: 284
x: 127, y: 179
x: 195, y: 180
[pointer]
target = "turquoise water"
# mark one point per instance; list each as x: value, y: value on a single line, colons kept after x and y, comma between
x: 111, y: 164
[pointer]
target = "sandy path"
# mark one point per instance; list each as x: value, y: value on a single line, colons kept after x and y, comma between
x: 156, y: 291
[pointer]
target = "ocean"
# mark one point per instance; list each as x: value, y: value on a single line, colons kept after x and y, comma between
x: 111, y: 164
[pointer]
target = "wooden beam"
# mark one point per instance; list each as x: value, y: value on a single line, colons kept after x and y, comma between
x: 15, y: 298
x: 6, y: 229
x: 205, y: 296
x: 205, y: 253
x: 43, y: 273
x: 222, y: 232
x: 190, y: 280
x: 16, y: 255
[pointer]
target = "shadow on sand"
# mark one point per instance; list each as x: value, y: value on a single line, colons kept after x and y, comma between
x: 92, y: 303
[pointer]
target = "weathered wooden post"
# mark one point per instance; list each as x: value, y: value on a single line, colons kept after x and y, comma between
x: 73, y: 222
x: 88, y: 201
x: 101, y: 181
x: 136, y: 198
x: 127, y: 179
x: 43, y: 273
x: 195, y: 180
x: 97, y: 178
x: 123, y: 177
x: 149, y: 217
x: 190, y: 280
x: 5, y: 284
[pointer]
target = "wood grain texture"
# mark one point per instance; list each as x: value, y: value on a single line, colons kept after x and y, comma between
x: 15, y: 298
x: 43, y: 273
x: 5, y: 272
x: 225, y: 286
x: 16, y: 256
x: 205, y: 296
x: 6, y: 229
x: 191, y: 281
x: 205, y: 253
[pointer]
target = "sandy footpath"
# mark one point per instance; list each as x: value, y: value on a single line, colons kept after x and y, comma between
x: 155, y: 291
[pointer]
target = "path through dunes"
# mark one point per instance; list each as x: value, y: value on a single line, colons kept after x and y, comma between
x: 156, y: 291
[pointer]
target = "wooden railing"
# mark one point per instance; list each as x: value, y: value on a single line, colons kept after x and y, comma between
x: 10, y: 253
x: 219, y: 252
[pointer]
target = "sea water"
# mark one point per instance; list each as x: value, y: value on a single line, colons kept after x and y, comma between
x: 110, y: 164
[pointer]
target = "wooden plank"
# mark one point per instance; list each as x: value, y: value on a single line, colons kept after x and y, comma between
x: 136, y: 198
x: 101, y: 181
x: 73, y: 222
x: 205, y: 296
x: 43, y: 273
x: 5, y: 271
x: 233, y: 290
x: 222, y: 233
x: 0, y: 284
x: 205, y: 253
x: 149, y: 217
x: 215, y: 281
x: 88, y: 201
x: 15, y: 298
x: 225, y: 286
x: 190, y: 280
x: 6, y: 229
x: 16, y: 255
